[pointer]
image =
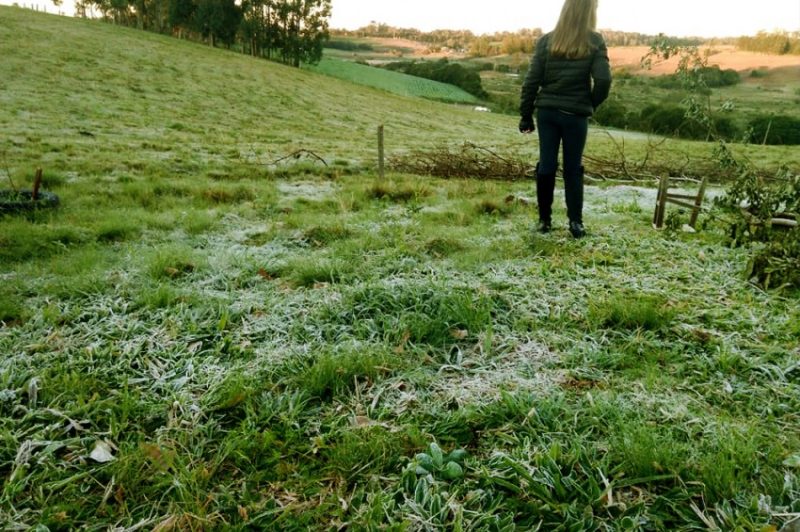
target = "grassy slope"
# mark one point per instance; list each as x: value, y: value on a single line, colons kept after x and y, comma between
x: 138, y: 93
x: 273, y: 352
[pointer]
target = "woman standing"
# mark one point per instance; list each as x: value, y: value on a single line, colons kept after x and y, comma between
x: 569, y: 77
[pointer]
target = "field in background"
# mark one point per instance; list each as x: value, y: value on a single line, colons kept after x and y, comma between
x: 770, y: 83
x: 217, y: 331
x: 624, y: 57
x: 726, y: 57
x: 394, y: 82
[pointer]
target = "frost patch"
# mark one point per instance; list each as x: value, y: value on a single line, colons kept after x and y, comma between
x: 306, y: 189
x: 466, y: 381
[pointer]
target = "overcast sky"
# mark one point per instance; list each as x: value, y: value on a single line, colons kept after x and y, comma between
x: 703, y: 18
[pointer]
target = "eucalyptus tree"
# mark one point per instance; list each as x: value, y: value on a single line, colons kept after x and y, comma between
x: 291, y: 31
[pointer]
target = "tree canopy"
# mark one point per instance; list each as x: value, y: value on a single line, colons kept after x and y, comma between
x: 291, y: 31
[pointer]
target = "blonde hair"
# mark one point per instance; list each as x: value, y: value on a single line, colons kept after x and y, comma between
x: 575, y: 25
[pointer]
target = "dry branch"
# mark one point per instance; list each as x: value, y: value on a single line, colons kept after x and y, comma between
x: 297, y: 155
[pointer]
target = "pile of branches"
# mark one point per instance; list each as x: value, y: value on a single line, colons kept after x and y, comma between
x: 467, y: 161
x: 472, y: 161
x: 659, y: 159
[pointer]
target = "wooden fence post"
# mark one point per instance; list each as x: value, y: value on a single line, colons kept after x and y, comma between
x: 380, y: 152
x: 37, y: 182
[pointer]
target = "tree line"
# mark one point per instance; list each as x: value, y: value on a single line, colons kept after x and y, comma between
x: 499, y: 43
x: 780, y: 43
x: 290, y: 31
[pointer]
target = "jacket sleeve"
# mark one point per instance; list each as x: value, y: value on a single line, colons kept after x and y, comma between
x: 533, y: 79
x: 601, y: 75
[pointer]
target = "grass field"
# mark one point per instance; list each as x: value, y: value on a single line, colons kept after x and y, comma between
x: 394, y: 82
x: 200, y: 339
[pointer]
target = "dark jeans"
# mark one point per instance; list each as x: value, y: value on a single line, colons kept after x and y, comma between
x: 557, y: 128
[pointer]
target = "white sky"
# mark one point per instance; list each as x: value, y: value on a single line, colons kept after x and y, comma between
x: 702, y: 18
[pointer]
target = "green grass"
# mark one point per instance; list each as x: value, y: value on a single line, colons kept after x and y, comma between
x: 394, y: 82
x: 272, y: 346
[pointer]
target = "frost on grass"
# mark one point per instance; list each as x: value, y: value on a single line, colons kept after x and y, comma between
x: 474, y: 378
x: 310, y: 190
x: 523, y: 368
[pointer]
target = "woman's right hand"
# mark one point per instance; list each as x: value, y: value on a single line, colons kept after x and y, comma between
x: 526, y: 125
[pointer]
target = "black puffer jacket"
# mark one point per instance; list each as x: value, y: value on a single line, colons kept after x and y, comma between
x: 577, y: 86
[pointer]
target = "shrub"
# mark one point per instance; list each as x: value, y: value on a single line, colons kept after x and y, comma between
x: 776, y: 259
x: 445, y: 72
x: 350, y: 46
x: 708, y: 77
x: 667, y: 119
x: 670, y: 120
x: 775, y: 130
x: 612, y: 113
x: 715, y: 77
x: 726, y: 128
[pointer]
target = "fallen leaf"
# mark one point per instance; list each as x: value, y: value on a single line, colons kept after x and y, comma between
x: 459, y: 334
x: 361, y: 421
x: 101, y: 452
x: 792, y: 461
x: 402, y: 346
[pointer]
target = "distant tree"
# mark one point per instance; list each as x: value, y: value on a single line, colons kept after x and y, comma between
x: 217, y: 20
x: 780, y: 43
x: 299, y: 30
x: 180, y: 15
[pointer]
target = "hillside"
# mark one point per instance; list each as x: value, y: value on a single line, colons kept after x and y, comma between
x: 137, y: 93
x: 200, y: 339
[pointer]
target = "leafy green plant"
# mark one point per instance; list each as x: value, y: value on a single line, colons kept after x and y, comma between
x: 445, y: 466
x: 753, y: 205
x: 695, y: 77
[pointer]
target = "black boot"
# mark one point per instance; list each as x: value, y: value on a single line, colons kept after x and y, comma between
x: 574, y: 196
x: 545, y: 187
